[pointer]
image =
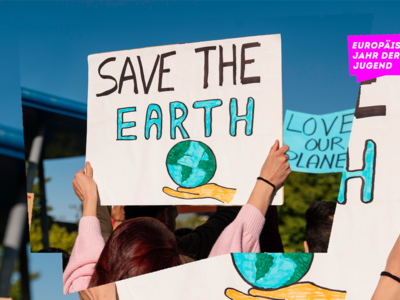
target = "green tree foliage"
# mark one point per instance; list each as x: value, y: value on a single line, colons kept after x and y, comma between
x: 301, y: 189
x: 192, y: 221
x: 59, y: 237
x: 15, y: 292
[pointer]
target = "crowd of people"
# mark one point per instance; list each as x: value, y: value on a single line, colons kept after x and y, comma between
x: 143, y: 239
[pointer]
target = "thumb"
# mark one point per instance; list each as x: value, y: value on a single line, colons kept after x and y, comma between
x: 89, y: 170
x: 274, y: 147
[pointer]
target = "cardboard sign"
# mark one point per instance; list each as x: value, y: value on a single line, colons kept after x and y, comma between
x: 318, y: 143
x: 366, y: 226
x: 239, y: 276
x: 187, y: 124
x: 367, y: 221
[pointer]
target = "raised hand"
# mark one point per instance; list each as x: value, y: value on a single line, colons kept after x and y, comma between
x: 276, y: 168
x: 86, y: 189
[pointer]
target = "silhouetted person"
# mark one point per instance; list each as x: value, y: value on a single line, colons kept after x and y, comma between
x: 319, y: 218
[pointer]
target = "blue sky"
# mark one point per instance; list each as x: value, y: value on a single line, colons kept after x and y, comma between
x: 315, y: 45
x: 49, y: 285
x: 45, y: 47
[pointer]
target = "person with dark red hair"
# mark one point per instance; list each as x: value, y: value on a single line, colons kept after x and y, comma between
x: 143, y: 245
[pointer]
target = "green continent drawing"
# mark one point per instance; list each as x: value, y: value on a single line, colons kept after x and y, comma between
x: 263, y: 264
x: 303, y: 262
x: 272, y: 270
x: 191, y: 164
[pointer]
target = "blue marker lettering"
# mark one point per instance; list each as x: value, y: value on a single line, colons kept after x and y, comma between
x: 208, y: 105
x: 121, y: 124
x: 249, y: 117
x: 155, y: 121
x: 178, y: 122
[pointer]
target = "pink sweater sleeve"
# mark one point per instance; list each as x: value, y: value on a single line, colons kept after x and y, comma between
x: 86, y: 252
x: 242, y: 235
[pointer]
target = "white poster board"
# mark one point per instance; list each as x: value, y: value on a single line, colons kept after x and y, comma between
x: 219, y: 278
x: 367, y: 223
x: 365, y: 228
x: 184, y: 124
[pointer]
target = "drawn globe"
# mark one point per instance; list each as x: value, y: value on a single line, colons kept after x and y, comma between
x: 272, y: 270
x: 191, y: 164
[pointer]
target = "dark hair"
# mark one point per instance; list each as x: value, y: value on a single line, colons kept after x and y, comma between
x: 138, y: 246
x: 319, y: 217
x: 132, y: 212
x: 65, y: 254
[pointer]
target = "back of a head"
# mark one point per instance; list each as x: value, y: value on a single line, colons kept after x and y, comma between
x: 132, y: 212
x: 164, y: 213
x: 319, y: 217
x: 136, y: 247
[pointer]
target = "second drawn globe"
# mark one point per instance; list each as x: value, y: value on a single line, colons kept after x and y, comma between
x: 272, y: 270
x: 191, y: 164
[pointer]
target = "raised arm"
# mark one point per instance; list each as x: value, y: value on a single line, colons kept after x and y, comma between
x: 242, y: 235
x: 89, y: 244
x: 388, y: 288
x: 199, y: 242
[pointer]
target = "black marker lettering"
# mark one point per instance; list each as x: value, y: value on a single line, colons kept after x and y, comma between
x: 344, y: 123
x: 206, y: 51
x: 330, y: 128
x: 146, y: 87
x: 320, y: 142
x: 223, y: 64
x: 330, y: 163
x: 112, y: 90
x: 290, y: 121
x: 298, y: 162
x: 316, y: 144
x: 244, y: 62
x: 336, y: 143
x: 162, y: 71
x: 304, y: 126
x: 130, y: 77
x: 313, y: 163
x: 339, y: 159
x: 368, y: 111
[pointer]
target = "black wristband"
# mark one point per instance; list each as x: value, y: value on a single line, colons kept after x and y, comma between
x: 265, y: 180
x: 384, y: 273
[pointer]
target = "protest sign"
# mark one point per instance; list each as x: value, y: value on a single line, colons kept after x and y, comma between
x: 188, y: 124
x: 318, y: 143
x: 240, y: 276
x: 365, y: 227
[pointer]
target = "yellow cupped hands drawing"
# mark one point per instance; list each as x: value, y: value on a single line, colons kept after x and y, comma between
x: 299, y: 291
x: 210, y: 190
